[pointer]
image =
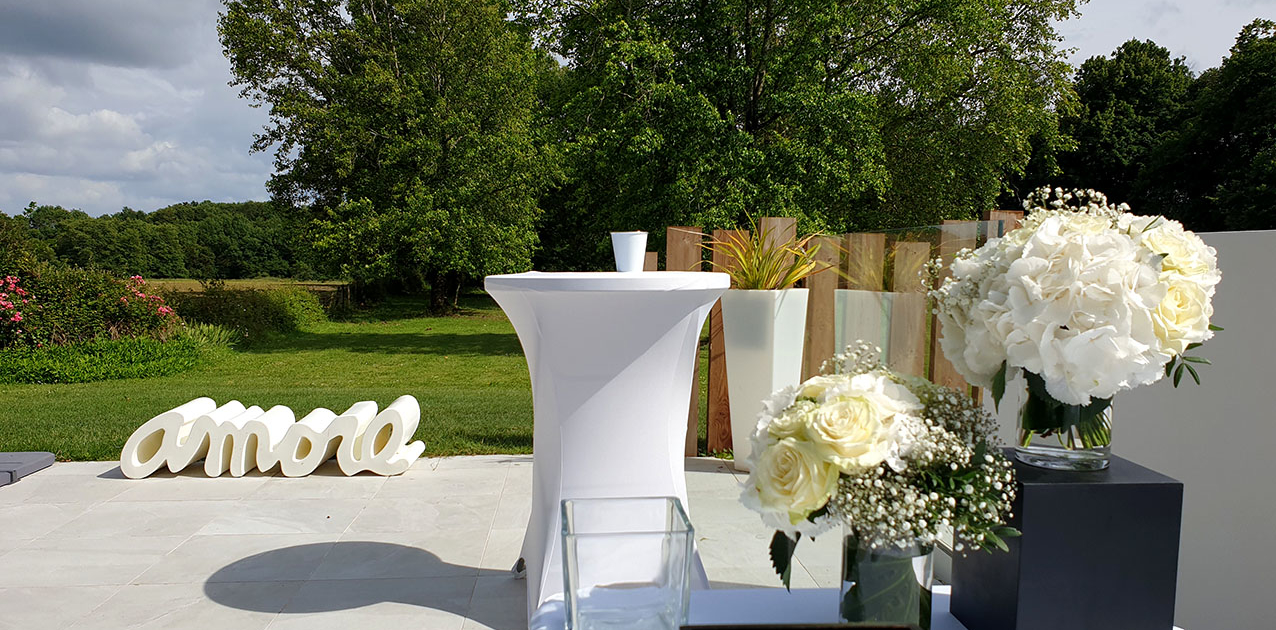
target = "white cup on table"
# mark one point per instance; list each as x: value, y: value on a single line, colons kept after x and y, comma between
x: 630, y: 249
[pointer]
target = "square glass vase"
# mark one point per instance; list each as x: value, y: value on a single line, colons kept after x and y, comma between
x: 626, y: 563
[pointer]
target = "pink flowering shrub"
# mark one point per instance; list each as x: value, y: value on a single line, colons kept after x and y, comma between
x: 55, y: 306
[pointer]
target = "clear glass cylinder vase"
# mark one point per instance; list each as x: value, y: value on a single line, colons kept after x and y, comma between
x: 886, y: 585
x: 1060, y: 436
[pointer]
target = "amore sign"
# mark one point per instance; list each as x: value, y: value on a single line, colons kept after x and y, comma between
x: 238, y: 439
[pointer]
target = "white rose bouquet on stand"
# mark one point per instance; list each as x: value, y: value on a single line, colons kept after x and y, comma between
x: 895, y: 462
x: 1085, y: 300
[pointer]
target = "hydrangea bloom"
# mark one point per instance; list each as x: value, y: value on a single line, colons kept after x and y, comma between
x: 1089, y: 297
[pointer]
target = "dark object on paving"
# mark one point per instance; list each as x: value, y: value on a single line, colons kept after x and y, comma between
x: 14, y: 466
x: 1099, y: 551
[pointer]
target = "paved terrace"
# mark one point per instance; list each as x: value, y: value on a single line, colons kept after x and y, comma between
x: 83, y: 547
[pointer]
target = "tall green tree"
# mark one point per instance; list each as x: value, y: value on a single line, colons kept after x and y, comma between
x: 848, y: 115
x: 1128, y: 104
x: 405, y: 126
x: 1217, y: 171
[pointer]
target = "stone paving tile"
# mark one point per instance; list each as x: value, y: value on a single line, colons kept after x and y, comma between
x: 461, y: 514
x: 82, y: 561
x: 294, y: 516
x: 238, y: 605
x: 428, y: 549
x: 326, y: 483
x: 83, y: 469
x: 502, y: 549
x: 385, y: 604
x: 456, y: 482
x: 191, y: 485
x: 24, y: 521
x: 82, y: 490
x: 403, y: 555
x: 142, y: 518
x: 255, y: 558
x: 49, y: 607
x: 499, y: 603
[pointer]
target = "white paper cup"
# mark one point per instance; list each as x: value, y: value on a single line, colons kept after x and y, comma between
x: 630, y: 249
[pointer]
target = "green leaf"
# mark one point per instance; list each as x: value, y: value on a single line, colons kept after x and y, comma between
x: 1192, y: 371
x: 1193, y: 346
x: 1006, y: 531
x: 782, y: 549
x: 1215, y: 328
x: 1178, y: 374
x: 1197, y: 360
x: 1169, y: 365
x: 996, y: 540
x: 818, y: 513
x: 999, y: 386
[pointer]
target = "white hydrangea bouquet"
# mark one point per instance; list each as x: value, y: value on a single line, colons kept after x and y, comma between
x: 892, y: 459
x: 1086, y: 300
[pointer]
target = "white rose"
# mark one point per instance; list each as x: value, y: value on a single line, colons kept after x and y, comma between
x: 852, y: 431
x: 855, y: 429
x: 818, y: 387
x: 793, y: 421
x: 1186, y: 255
x: 1183, y: 317
x: 791, y: 477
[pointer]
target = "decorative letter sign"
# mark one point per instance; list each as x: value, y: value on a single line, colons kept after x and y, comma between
x: 238, y: 439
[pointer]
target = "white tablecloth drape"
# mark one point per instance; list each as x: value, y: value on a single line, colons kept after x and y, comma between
x: 610, y: 357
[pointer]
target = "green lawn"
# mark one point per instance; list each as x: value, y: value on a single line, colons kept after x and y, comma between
x: 467, y: 371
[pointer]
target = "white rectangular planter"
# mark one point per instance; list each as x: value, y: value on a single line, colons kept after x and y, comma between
x: 763, y: 334
x: 862, y: 315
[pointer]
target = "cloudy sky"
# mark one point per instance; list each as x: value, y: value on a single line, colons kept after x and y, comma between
x: 112, y: 103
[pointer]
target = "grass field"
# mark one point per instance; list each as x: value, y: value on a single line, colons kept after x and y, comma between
x: 467, y: 371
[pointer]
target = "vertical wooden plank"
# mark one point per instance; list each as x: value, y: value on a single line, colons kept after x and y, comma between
x: 819, y: 307
x: 1009, y: 220
x: 651, y: 262
x: 719, y: 406
x: 954, y: 236
x: 865, y: 260
x: 865, y: 304
x: 908, y: 340
x: 683, y: 253
x: 779, y: 230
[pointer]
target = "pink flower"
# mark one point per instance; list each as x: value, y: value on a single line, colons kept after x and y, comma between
x: 124, y: 300
x: 17, y: 317
x: 25, y: 301
x: 139, y: 294
x: 137, y: 279
x: 20, y: 290
x: 4, y: 296
x: 164, y: 310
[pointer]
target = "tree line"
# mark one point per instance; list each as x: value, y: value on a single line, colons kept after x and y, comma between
x: 203, y: 240
x: 426, y: 143
x: 1146, y: 130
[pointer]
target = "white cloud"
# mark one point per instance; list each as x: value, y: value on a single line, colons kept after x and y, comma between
x: 133, y: 117
x: 1201, y: 30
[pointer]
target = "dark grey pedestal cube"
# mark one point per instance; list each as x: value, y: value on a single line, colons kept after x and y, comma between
x: 1099, y: 551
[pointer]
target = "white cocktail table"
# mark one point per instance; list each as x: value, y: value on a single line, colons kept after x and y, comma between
x: 611, y: 358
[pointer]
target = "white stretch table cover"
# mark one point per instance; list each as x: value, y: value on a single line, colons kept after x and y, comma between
x: 611, y: 358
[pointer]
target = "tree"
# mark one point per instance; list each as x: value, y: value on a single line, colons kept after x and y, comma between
x: 1218, y: 169
x: 847, y: 115
x: 403, y: 126
x: 1128, y: 105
